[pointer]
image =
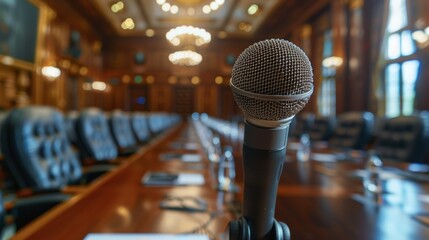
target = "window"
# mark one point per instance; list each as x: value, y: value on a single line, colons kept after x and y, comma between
x: 400, y: 68
x: 326, y: 97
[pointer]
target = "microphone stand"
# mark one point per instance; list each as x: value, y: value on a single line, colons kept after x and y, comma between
x: 264, y: 153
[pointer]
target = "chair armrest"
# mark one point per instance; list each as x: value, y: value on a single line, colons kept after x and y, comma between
x: 25, y: 210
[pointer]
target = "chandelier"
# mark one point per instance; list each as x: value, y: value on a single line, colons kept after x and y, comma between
x: 185, y: 58
x: 188, y: 37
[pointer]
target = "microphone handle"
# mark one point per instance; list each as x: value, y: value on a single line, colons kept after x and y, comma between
x: 263, y: 165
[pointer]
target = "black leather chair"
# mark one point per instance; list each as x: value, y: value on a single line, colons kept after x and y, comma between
x: 322, y: 128
x: 3, y: 116
x: 139, y: 126
x: 353, y: 130
x: 37, y: 150
x: 94, y: 137
x: 302, y: 123
x: 120, y: 126
x: 70, y: 124
x: 404, y: 138
x: 38, y: 156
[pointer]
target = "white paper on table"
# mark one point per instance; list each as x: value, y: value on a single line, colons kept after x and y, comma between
x: 144, y: 236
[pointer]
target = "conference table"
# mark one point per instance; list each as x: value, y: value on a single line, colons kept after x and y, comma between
x: 317, y: 199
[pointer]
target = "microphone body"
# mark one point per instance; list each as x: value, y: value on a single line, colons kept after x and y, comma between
x: 264, y: 152
x: 271, y: 80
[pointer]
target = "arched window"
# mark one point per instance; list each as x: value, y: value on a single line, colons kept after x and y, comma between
x: 400, y: 66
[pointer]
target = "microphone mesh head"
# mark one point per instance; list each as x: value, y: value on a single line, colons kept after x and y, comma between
x: 272, y: 67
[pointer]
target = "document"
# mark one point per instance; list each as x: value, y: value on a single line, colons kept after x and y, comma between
x: 172, y: 179
x: 144, y: 236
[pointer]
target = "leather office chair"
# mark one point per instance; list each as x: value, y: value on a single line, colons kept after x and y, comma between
x: 404, y: 138
x: 38, y: 156
x: 322, y: 128
x: 3, y: 116
x: 353, y: 130
x: 120, y: 126
x: 70, y: 124
x: 140, y: 127
x: 302, y: 123
x: 94, y: 136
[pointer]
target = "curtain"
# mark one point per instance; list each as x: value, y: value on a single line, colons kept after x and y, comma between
x: 379, y: 11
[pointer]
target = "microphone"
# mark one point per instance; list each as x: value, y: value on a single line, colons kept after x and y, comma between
x: 272, y: 80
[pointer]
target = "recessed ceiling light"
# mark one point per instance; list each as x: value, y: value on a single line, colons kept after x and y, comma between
x: 174, y: 9
x: 160, y: 2
x: 246, y: 27
x: 165, y: 7
x: 214, y: 6
x: 128, y: 24
x: 150, y: 32
x: 253, y: 9
x: 118, y: 6
x: 206, y: 9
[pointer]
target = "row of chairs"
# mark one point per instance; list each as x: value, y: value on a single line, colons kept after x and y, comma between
x: 43, y: 149
x: 402, y: 138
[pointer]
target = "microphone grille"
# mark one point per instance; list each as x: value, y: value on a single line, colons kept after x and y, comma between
x: 272, y: 68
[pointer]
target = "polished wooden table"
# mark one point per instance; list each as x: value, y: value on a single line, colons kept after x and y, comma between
x: 318, y: 200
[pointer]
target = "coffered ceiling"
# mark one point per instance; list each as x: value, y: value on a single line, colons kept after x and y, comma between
x: 220, y: 17
x: 229, y: 19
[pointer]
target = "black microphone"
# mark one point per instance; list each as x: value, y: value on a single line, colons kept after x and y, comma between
x: 272, y: 80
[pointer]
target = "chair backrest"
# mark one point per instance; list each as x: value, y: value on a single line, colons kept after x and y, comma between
x: 353, y: 130
x: 3, y: 116
x: 139, y: 125
x: 36, y: 149
x: 120, y: 126
x: 404, y: 138
x: 70, y: 123
x: 94, y: 135
x: 302, y: 123
x: 322, y: 128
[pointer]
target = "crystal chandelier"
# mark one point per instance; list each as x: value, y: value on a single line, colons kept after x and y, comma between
x: 185, y: 58
x: 188, y: 35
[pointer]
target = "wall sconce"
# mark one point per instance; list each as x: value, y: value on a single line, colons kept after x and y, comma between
x: 51, y: 72
x: 332, y: 62
x: 421, y: 37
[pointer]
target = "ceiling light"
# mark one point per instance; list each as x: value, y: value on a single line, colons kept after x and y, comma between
x: 220, y: 2
x: 214, y: 6
x: 188, y: 35
x: 116, y: 7
x: 51, y: 72
x: 244, y: 27
x: 160, y: 2
x: 128, y: 24
x: 185, y: 58
x: 253, y: 9
x: 206, y: 9
x: 150, y: 32
x: 165, y: 7
x: 174, y: 9
x: 219, y: 80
